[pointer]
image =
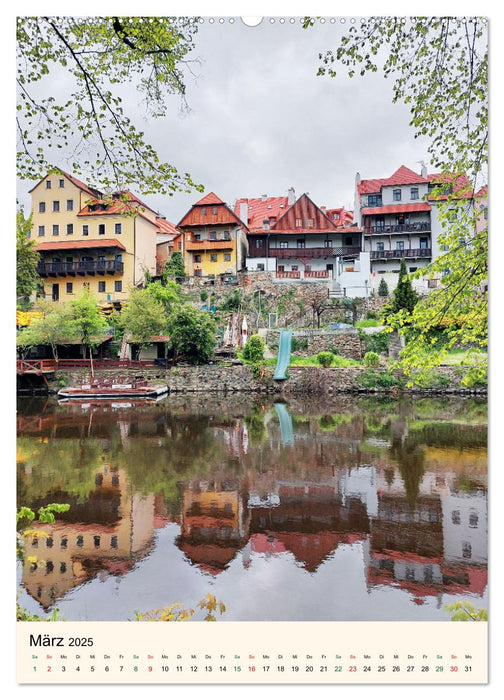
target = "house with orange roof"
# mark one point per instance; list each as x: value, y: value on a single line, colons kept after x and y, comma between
x: 214, y: 239
x: 298, y: 241
x: 87, y: 239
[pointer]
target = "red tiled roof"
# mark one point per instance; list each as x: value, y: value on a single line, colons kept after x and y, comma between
x: 200, y: 215
x: 259, y: 209
x: 396, y: 209
x: 116, y: 205
x: 77, y: 245
x: 402, y: 176
x: 210, y: 198
x: 460, y: 183
x: 164, y: 226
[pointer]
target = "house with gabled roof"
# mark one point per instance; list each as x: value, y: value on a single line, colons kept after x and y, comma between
x: 298, y: 241
x: 106, y: 243
x: 214, y: 239
x: 396, y: 220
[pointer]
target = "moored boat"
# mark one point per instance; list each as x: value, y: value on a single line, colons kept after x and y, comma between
x: 112, y: 388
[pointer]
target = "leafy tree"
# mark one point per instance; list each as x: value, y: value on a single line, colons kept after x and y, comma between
x: 174, y: 267
x: 27, y: 257
x: 254, y: 349
x: 383, y: 288
x: 440, y: 70
x: 168, y: 294
x: 53, y: 327
x: 87, y: 322
x: 143, y: 317
x: 404, y: 296
x: 192, y: 333
x: 87, y: 127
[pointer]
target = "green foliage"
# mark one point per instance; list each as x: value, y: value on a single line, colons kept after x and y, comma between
x: 143, y: 317
x: 257, y: 370
x: 54, y: 327
x: 45, y: 513
x: 86, y: 321
x: 476, y: 376
x: 325, y: 358
x: 254, y: 349
x: 177, y: 613
x: 203, y: 295
x: 22, y: 615
x: 192, y: 334
x: 168, y: 293
x: 232, y: 302
x: 174, y: 267
x: 299, y: 344
x: 383, y: 379
x: 375, y: 342
x: 371, y: 359
x: 464, y: 611
x: 27, y: 257
x: 404, y: 296
x: 429, y: 378
x: 96, y: 55
x: 383, y: 289
x: 440, y: 70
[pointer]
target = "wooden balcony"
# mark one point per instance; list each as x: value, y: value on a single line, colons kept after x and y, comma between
x: 413, y: 227
x: 89, y: 267
x: 207, y: 244
x: 302, y: 253
x: 398, y: 254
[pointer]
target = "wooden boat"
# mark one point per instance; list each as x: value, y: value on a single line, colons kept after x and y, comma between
x: 112, y: 388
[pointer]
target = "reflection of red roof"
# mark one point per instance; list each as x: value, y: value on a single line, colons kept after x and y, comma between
x: 266, y: 544
x: 396, y: 209
x: 77, y: 245
x: 313, y: 548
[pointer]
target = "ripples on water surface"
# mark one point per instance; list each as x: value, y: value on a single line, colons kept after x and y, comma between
x: 357, y: 509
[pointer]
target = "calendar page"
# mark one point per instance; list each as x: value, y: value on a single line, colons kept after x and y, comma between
x: 251, y: 330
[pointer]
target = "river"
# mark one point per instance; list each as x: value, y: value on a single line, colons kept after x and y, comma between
x: 346, y: 508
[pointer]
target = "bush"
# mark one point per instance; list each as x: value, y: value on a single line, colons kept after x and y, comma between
x: 325, y: 358
x: 376, y: 342
x: 371, y: 359
x: 299, y: 344
x: 192, y: 334
x: 385, y: 380
x: 383, y: 288
x: 254, y: 349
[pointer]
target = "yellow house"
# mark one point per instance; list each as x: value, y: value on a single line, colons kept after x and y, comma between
x: 214, y: 240
x: 87, y: 240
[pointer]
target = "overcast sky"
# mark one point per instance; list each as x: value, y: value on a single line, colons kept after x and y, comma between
x: 261, y: 121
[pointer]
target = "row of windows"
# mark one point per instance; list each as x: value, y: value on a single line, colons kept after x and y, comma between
x: 399, y: 245
x: 213, y: 257
x: 61, y: 183
x: 56, y: 206
x: 79, y: 541
x: 473, y: 518
x: 102, y: 286
x: 212, y: 236
x: 375, y: 200
x: 85, y: 229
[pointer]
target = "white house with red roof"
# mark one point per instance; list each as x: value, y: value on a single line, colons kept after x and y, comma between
x: 396, y: 220
x: 297, y: 241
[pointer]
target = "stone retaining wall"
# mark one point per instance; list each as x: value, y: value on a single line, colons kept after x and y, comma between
x: 239, y: 379
x: 346, y: 341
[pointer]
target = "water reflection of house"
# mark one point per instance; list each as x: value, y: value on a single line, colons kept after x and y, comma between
x: 213, y: 523
x: 311, y: 521
x: 109, y: 532
x: 421, y: 548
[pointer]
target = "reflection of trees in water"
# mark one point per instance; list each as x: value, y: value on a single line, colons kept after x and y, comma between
x: 410, y: 460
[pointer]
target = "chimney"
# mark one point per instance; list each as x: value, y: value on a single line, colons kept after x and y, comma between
x: 264, y: 197
x: 357, y: 178
x: 423, y: 172
x: 324, y: 209
x: 244, y: 212
x: 291, y: 195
